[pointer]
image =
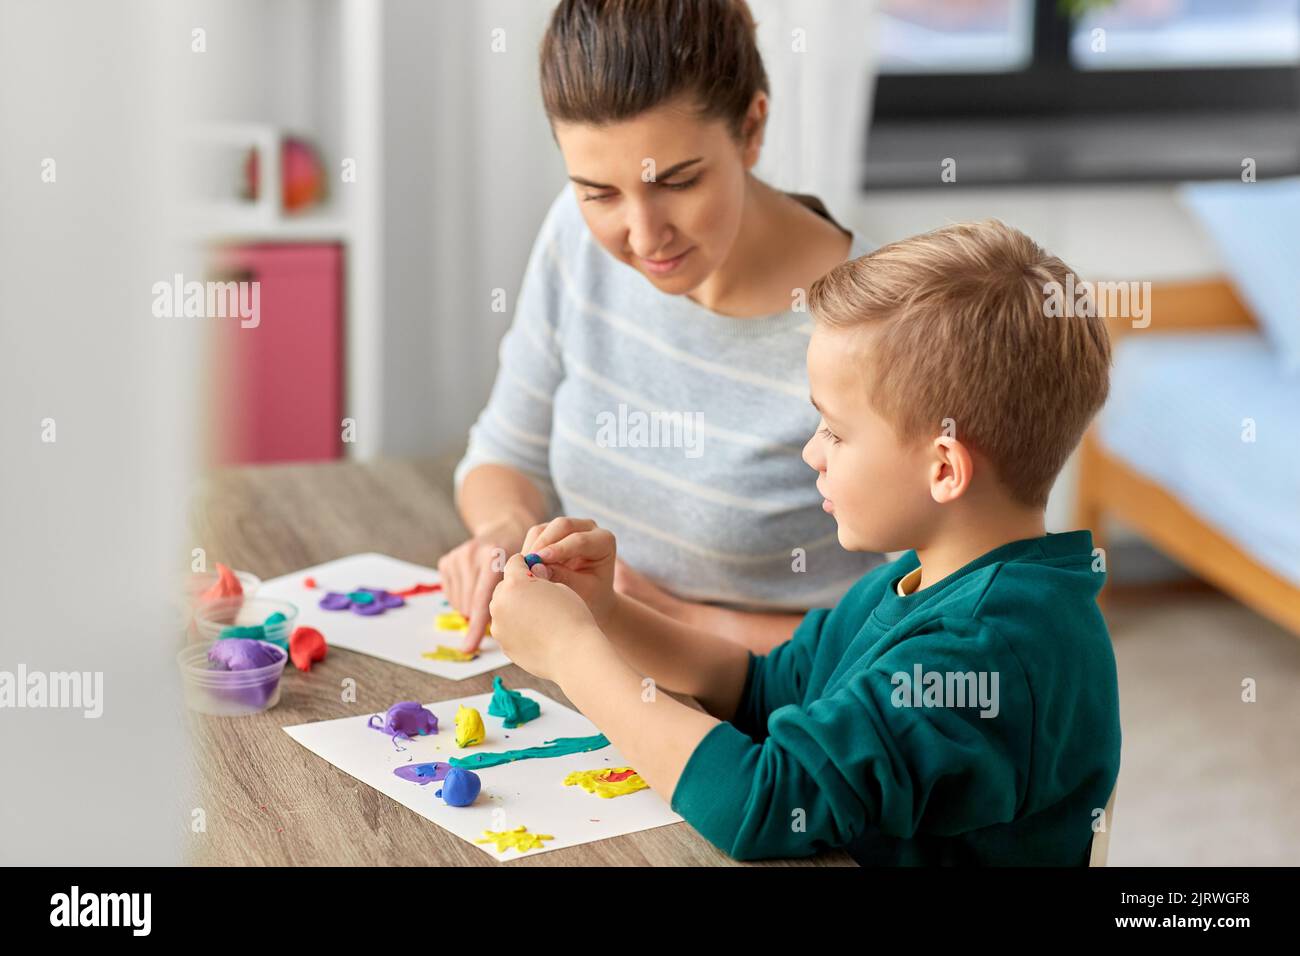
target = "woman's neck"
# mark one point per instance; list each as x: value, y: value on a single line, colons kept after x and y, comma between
x: 756, y: 277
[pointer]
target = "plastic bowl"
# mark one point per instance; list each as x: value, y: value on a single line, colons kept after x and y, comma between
x: 212, y: 617
x: 195, y: 583
x: 221, y: 693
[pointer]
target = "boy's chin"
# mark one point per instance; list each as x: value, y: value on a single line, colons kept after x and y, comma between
x: 852, y: 539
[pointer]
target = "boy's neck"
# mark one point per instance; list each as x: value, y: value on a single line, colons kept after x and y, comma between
x: 966, y: 537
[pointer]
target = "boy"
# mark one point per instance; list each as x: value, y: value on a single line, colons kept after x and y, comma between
x: 958, y: 706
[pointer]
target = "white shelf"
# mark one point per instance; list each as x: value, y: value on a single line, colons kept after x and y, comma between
x: 312, y: 226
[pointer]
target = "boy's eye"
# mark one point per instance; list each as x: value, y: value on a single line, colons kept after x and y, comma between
x: 828, y: 434
x: 601, y: 197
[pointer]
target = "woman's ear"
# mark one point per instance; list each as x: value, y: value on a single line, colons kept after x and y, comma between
x: 753, y: 130
x: 951, y: 469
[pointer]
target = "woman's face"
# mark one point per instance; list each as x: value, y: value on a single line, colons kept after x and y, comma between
x: 663, y: 191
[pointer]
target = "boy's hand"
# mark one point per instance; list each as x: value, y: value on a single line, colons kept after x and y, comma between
x: 581, y: 556
x: 537, y: 621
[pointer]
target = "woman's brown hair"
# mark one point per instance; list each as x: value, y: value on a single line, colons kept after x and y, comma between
x: 604, y: 61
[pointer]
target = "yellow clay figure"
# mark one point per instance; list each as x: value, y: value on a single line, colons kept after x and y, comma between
x: 445, y: 653
x: 455, y: 621
x: 469, y: 727
x: 607, y: 781
x: 519, y: 838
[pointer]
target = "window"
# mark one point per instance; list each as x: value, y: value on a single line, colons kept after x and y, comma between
x: 1019, y: 78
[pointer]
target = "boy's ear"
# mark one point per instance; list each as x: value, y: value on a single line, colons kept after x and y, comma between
x: 951, y: 469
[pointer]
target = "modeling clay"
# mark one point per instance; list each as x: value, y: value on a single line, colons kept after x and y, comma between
x: 560, y: 747
x: 242, y: 654
x: 306, y: 646
x: 407, y: 719
x: 532, y: 559
x: 227, y: 585
x: 455, y: 621
x: 519, y: 838
x: 607, y: 782
x: 423, y: 773
x: 469, y: 727
x: 418, y: 589
x: 366, y: 601
x: 445, y: 653
x: 511, y: 705
x: 252, y: 632
x: 309, y: 583
x: 460, y: 788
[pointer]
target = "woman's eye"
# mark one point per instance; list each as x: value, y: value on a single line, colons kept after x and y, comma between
x: 687, y: 184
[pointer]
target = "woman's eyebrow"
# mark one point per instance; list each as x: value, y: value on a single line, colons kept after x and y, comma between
x: 667, y: 173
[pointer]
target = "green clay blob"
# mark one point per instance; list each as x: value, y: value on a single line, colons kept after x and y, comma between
x: 560, y: 747
x: 511, y: 705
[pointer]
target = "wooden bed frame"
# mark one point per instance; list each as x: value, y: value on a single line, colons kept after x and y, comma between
x: 1108, y: 487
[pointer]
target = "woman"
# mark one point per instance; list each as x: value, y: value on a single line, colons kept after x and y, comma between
x: 653, y: 377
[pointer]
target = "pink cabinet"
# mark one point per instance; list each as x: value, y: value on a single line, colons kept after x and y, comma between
x: 278, y: 387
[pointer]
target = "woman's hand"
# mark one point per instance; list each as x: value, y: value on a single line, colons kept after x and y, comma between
x: 537, y: 621
x: 637, y: 586
x: 580, y: 555
x: 471, y: 571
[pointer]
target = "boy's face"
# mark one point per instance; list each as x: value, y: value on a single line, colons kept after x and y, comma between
x: 876, y: 487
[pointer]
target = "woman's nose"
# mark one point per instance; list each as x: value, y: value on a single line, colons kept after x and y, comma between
x: 647, y: 232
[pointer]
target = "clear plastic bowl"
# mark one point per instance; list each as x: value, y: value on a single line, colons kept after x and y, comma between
x: 190, y: 586
x: 195, y: 583
x: 212, y: 617
x: 222, y: 693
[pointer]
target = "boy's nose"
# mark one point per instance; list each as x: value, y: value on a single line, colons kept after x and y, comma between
x: 810, y: 456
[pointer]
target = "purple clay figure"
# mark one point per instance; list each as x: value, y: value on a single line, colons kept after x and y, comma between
x: 423, y: 773
x: 383, y: 598
x: 364, y: 601
x: 243, y: 654
x: 407, y: 719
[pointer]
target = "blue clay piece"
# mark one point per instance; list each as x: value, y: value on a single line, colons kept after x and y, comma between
x: 461, y: 787
x: 531, y: 559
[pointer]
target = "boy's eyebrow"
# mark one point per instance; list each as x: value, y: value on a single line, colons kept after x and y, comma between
x: 665, y: 174
x: 818, y: 407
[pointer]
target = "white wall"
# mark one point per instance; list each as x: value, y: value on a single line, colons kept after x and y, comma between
x: 469, y: 171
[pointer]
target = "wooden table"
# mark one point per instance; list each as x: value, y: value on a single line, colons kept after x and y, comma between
x: 267, y: 800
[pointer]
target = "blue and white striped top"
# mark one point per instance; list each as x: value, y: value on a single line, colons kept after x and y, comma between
x: 677, y: 428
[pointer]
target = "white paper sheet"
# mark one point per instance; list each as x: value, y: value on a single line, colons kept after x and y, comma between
x: 528, y: 793
x: 400, y: 635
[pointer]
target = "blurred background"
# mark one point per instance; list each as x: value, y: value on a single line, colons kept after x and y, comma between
x: 381, y: 169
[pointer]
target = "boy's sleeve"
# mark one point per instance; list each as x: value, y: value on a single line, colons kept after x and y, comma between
x: 779, y: 677
x: 514, y: 427
x: 865, y: 757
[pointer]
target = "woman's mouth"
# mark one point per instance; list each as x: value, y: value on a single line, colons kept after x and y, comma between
x: 662, y: 267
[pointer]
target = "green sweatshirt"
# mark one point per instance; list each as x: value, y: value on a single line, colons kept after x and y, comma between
x: 975, y: 721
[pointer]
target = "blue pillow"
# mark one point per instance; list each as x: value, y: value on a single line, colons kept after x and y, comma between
x: 1256, y: 228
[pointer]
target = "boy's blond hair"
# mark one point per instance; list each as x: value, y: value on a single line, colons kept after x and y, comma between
x: 960, y: 331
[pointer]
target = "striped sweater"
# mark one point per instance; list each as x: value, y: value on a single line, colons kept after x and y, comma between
x: 677, y: 428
